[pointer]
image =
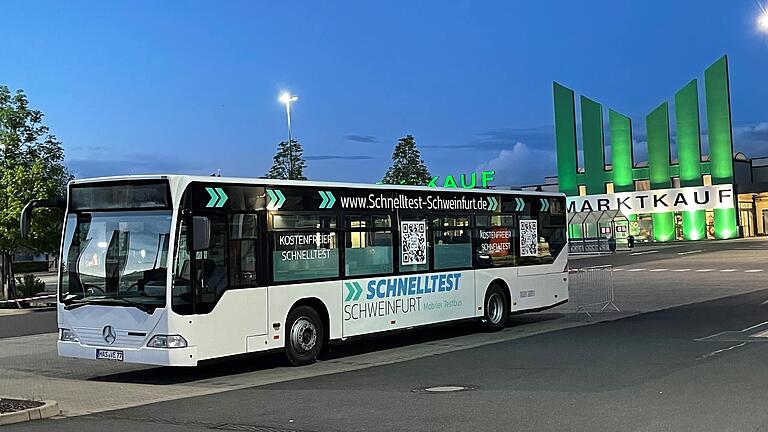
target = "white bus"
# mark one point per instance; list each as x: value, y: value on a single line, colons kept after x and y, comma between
x: 172, y: 270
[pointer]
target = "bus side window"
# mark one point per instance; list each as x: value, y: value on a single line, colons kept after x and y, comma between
x: 368, y: 245
x: 243, y: 246
x: 552, y: 230
x: 181, y: 294
x: 211, y: 267
x: 452, y: 242
x: 550, y: 238
x: 495, y: 240
x: 303, y: 247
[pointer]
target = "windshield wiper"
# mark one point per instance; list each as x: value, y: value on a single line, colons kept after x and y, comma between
x: 148, y: 308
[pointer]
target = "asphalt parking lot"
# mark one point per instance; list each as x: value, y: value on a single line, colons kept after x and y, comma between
x: 675, y: 358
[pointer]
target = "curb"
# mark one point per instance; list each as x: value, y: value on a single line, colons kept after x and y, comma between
x: 48, y: 409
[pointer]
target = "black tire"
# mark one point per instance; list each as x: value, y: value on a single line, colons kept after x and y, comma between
x: 495, y: 309
x: 304, y: 336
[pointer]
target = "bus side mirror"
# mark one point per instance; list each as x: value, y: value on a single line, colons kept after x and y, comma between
x: 26, y: 212
x: 201, y: 233
x: 26, y: 215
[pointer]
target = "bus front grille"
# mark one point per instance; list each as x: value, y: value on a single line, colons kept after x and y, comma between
x: 123, y: 338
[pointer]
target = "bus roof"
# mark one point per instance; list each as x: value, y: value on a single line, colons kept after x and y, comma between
x: 186, y: 179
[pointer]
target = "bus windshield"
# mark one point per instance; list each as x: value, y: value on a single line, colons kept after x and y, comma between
x: 115, y: 258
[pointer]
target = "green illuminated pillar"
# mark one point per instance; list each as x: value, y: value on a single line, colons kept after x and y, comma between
x: 565, y: 139
x: 621, y: 151
x: 657, y: 123
x: 621, y: 154
x: 720, y: 140
x: 689, y: 155
x: 592, y: 141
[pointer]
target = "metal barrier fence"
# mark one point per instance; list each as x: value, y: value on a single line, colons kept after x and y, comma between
x: 18, y: 301
x: 591, y: 289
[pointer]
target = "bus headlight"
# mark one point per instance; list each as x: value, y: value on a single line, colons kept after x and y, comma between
x: 67, y: 335
x: 167, y: 341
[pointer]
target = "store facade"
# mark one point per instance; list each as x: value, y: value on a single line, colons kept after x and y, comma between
x: 687, y: 197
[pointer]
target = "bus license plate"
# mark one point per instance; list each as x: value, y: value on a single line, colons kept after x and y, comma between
x: 102, y: 354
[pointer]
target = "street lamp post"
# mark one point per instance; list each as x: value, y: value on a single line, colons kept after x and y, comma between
x: 287, y: 98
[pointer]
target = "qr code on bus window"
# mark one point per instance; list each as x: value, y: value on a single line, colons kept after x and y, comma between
x: 529, y: 238
x: 413, y: 242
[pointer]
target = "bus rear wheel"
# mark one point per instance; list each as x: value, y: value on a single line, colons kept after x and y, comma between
x: 304, y: 336
x: 496, y: 311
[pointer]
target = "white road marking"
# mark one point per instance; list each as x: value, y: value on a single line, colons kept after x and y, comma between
x: 658, y: 270
x: 689, y: 252
x: 644, y: 253
x: 753, y: 271
x: 756, y: 325
x: 681, y: 270
x: 721, y: 350
x: 705, y: 270
x: 728, y: 270
x: 618, y: 269
x: 635, y: 270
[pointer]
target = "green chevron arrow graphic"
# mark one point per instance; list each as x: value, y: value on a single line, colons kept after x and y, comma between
x: 354, y: 290
x: 493, y: 203
x: 275, y: 199
x: 544, y: 204
x: 328, y: 199
x: 519, y: 204
x: 218, y: 197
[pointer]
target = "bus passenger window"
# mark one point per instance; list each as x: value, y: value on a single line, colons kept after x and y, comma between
x: 452, y: 242
x: 310, y: 253
x: 368, y: 245
x: 495, y: 241
x: 551, y: 232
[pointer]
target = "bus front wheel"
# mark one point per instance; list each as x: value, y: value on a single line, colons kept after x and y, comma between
x: 496, y: 311
x: 304, y: 336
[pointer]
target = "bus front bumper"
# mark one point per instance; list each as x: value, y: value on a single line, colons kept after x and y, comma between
x: 152, y: 356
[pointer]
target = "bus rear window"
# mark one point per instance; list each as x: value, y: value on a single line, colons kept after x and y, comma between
x: 124, y: 195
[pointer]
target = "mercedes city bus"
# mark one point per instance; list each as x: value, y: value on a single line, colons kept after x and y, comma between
x: 173, y: 270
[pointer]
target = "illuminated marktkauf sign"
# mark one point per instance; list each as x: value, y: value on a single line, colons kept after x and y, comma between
x: 464, y: 181
x: 692, y: 198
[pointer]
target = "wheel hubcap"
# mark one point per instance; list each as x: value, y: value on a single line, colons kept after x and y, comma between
x: 303, y: 335
x: 495, y: 308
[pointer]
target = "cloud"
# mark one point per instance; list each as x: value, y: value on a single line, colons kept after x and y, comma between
x: 133, y: 164
x: 521, y: 164
x: 540, y: 137
x: 529, y: 162
x: 370, y: 139
x: 338, y: 157
x: 751, y: 138
x: 89, y: 148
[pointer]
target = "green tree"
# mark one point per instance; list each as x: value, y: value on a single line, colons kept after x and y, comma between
x: 30, y: 168
x: 288, y: 163
x: 407, y: 166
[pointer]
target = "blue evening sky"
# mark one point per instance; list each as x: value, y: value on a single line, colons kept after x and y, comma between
x: 189, y: 87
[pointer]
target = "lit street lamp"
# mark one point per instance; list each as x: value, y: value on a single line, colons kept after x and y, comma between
x: 287, y: 98
x: 762, y: 22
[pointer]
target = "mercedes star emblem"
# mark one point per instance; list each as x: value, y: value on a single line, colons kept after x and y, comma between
x: 109, y: 334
